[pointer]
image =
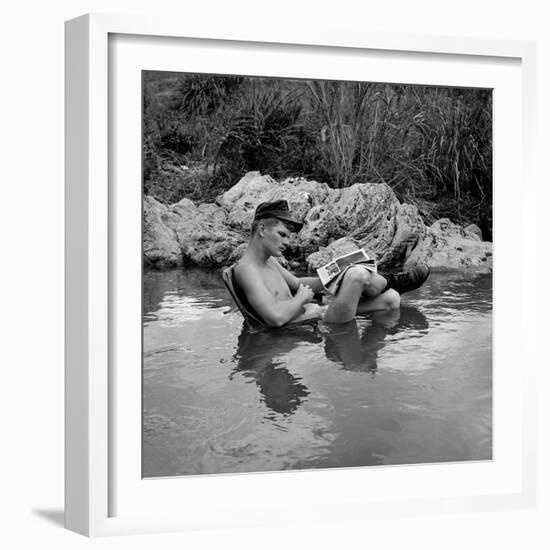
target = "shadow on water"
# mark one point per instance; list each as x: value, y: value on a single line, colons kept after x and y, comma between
x: 256, y: 358
x: 258, y: 354
x: 401, y: 387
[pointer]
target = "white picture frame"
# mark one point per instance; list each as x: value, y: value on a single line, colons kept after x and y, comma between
x: 101, y: 413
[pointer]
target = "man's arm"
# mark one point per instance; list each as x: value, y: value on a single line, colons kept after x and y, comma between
x: 274, y: 313
x: 313, y: 282
x: 294, y: 282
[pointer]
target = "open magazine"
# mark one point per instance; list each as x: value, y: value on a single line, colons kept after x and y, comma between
x: 331, y: 273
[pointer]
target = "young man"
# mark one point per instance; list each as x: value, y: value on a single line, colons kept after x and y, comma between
x: 279, y: 297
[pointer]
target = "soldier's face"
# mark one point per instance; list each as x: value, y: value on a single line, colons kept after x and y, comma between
x: 276, y: 238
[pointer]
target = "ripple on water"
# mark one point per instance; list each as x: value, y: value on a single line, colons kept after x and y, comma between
x: 413, y: 385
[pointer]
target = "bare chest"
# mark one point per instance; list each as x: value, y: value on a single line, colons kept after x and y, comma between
x: 275, y: 283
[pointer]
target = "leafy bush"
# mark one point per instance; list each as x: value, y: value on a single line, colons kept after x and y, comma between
x: 262, y: 133
x: 432, y: 145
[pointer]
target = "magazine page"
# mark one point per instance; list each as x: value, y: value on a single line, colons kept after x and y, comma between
x: 335, y: 268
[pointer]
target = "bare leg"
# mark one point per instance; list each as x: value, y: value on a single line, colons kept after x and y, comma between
x: 376, y: 285
x: 383, y: 302
x: 357, y: 285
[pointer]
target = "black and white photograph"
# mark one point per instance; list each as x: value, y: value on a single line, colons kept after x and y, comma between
x: 253, y: 360
x: 258, y: 279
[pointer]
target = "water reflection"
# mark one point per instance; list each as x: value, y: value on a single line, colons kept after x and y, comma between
x: 359, y: 352
x: 258, y: 358
x: 261, y: 356
x: 405, y: 387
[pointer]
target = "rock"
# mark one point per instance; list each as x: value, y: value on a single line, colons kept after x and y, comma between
x: 391, y: 233
x: 447, y: 246
x: 320, y: 225
x: 342, y: 246
x: 186, y: 234
x: 241, y: 200
x: 365, y: 210
x: 371, y: 215
x: 204, y: 238
x: 251, y: 186
x: 184, y: 209
x: 336, y: 221
x: 409, y: 230
x: 474, y: 229
x: 160, y: 244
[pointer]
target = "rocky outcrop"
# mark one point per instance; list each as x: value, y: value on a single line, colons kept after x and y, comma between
x: 447, y: 246
x: 186, y: 234
x: 241, y: 200
x: 160, y: 245
x: 473, y: 228
x: 336, y: 221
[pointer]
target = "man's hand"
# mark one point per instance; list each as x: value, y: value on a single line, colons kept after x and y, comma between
x: 304, y: 294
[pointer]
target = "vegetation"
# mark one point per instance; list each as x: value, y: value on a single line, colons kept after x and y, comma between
x: 432, y: 145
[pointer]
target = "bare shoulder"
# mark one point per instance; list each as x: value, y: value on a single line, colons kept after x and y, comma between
x: 246, y: 272
x: 274, y: 264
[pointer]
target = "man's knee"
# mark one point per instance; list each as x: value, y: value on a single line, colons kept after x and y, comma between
x: 392, y: 299
x: 357, y: 275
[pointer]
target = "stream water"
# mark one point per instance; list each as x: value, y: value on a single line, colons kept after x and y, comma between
x: 410, y: 386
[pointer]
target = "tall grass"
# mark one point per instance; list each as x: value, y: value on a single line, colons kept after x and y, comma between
x: 263, y: 129
x: 432, y: 145
x: 342, y: 108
